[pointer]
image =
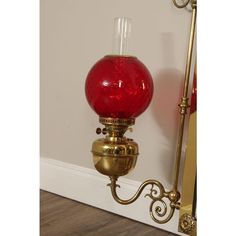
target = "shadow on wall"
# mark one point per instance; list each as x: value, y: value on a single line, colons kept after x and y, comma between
x: 166, y: 97
x: 167, y: 93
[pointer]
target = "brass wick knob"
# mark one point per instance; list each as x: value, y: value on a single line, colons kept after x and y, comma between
x: 99, y: 131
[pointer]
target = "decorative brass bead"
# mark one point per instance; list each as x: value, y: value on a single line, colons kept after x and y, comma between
x: 174, y: 196
x: 184, y: 105
x: 187, y: 223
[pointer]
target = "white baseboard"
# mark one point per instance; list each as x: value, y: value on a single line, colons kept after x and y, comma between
x: 89, y: 187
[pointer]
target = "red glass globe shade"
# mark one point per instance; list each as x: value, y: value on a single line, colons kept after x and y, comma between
x: 119, y: 87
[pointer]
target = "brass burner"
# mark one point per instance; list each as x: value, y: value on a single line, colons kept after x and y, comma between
x: 115, y: 155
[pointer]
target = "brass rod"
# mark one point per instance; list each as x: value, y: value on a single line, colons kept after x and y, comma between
x: 184, y: 100
x: 190, y: 52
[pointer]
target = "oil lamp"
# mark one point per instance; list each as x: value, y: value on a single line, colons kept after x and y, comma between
x: 118, y: 88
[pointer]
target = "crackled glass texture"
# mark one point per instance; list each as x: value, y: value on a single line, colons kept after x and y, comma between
x: 119, y: 87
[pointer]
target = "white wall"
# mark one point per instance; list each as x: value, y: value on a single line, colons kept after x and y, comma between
x: 74, y: 35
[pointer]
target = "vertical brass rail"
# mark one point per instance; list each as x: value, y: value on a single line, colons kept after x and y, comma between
x: 184, y: 100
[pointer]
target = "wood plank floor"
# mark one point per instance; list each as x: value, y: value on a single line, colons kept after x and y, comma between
x: 61, y: 216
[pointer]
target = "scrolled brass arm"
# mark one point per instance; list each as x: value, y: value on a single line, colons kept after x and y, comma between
x: 113, y: 186
x: 158, y: 208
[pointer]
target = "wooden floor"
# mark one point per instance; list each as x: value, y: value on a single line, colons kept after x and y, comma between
x: 61, y: 216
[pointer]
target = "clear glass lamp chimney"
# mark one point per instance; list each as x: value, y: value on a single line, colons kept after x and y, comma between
x: 121, y: 35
